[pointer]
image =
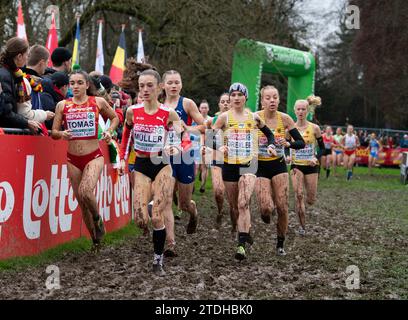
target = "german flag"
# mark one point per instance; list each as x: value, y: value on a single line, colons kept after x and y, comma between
x: 118, y: 65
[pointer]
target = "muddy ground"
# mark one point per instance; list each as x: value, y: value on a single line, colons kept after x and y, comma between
x: 315, y: 267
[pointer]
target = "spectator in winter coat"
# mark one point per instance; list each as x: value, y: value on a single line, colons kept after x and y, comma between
x: 55, y: 91
x: 12, y: 58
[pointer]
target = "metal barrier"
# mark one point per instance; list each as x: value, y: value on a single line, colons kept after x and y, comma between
x: 18, y: 132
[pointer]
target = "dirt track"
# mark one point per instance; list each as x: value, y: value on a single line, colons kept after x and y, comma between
x: 315, y: 267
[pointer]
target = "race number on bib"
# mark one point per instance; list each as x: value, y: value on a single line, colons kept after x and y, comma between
x: 81, y: 124
x: 305, y: 154
x: 149, y: 138
x: 240, y: 144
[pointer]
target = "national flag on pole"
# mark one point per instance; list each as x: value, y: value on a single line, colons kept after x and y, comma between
x: 75, y: 53
x: 118, y: 65
x: 52, y: 39
x: 100, y: 60
x: 140, y: 49
x: 21, y: 29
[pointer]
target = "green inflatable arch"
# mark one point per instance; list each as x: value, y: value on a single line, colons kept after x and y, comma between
x: 252, y: 58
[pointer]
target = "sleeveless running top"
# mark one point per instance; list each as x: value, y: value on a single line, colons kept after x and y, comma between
x: 241, y: 139
x: 149, y: 131
x: 182, y: 113
x: 81, y: 120
x: 303, y: 156
x: 350, y: 142
x: 374, y: 146
x: 338, y: 138
x: 328, y: 142
x: 278, y: 132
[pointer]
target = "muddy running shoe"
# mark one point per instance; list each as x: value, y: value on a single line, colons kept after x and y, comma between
x: 96, y: 246
x: 170, y: 252
x: 158, y: 265
x: 202, y: 190
x: 99, y: 229
x: 266, y: 219
x: 280, y: 252
x: 302, y: 231
x: 192, y: 224
x: 241, y: 254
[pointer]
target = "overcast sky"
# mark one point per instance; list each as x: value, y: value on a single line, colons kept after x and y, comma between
x: 323, y: 14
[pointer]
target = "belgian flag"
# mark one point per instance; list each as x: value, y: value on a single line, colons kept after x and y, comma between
x: 118, y: 65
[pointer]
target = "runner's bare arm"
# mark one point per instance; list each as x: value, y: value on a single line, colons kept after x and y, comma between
x: 56, y: 132
x: 174, y: 120
x: 195, y: 114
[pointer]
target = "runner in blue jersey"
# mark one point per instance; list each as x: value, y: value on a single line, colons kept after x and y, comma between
x: 374, y: 147
x: 183, y: 164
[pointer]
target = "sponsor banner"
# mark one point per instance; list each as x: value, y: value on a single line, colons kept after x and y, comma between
x: 38, y: 209
x: 386, y: 157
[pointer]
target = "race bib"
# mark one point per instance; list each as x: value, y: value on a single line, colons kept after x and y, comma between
x: 240, y: 144
x: 328, y: 145
x: 81, y: 124
x: 305, y: 154
x: 149, y: 139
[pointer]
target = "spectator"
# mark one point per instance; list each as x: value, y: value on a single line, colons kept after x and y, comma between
x: 404, y: 141
x: 12, y: 58
x: 38, y: 57
x: 26, y: 109
x: 55, y: 91
x: 62, y: 60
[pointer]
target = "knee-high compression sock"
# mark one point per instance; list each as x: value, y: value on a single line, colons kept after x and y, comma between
x: 242, y: 238
x: 280, y: 242
x: 159, y: 239
x: 327, y: 173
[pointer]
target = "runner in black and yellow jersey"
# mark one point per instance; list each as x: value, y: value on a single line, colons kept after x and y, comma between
x: 272, y: 185
x: 304, y: 169
x: 240, y: 161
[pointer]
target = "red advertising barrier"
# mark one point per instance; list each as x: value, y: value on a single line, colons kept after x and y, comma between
x: 386, y: 157
x: 38, y: 209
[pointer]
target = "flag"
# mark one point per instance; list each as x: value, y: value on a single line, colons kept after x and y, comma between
x: 75, y: 54
x: 100, y: 60
x: 52, y: 39
x: 21, y: 29
x: 118, y: 65
x: 140, y: 49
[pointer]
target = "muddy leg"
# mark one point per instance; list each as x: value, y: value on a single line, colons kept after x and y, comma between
x: 263, y: 191
x: 142, y: 196
x: 231, y: 189
x: 297, y: 182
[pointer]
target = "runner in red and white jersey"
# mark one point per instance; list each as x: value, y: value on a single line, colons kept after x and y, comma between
x: 151, y: 122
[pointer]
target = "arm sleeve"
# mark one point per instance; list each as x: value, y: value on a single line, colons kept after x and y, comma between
x: 321, y: 147
x: 268, y: 134
x: 298, y: 142
x: 125, y: 140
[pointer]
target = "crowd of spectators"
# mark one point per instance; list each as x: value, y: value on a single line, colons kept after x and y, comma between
x: 30, y: 90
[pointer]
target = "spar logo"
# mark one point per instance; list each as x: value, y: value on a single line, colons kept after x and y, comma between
x: 54, y: 199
